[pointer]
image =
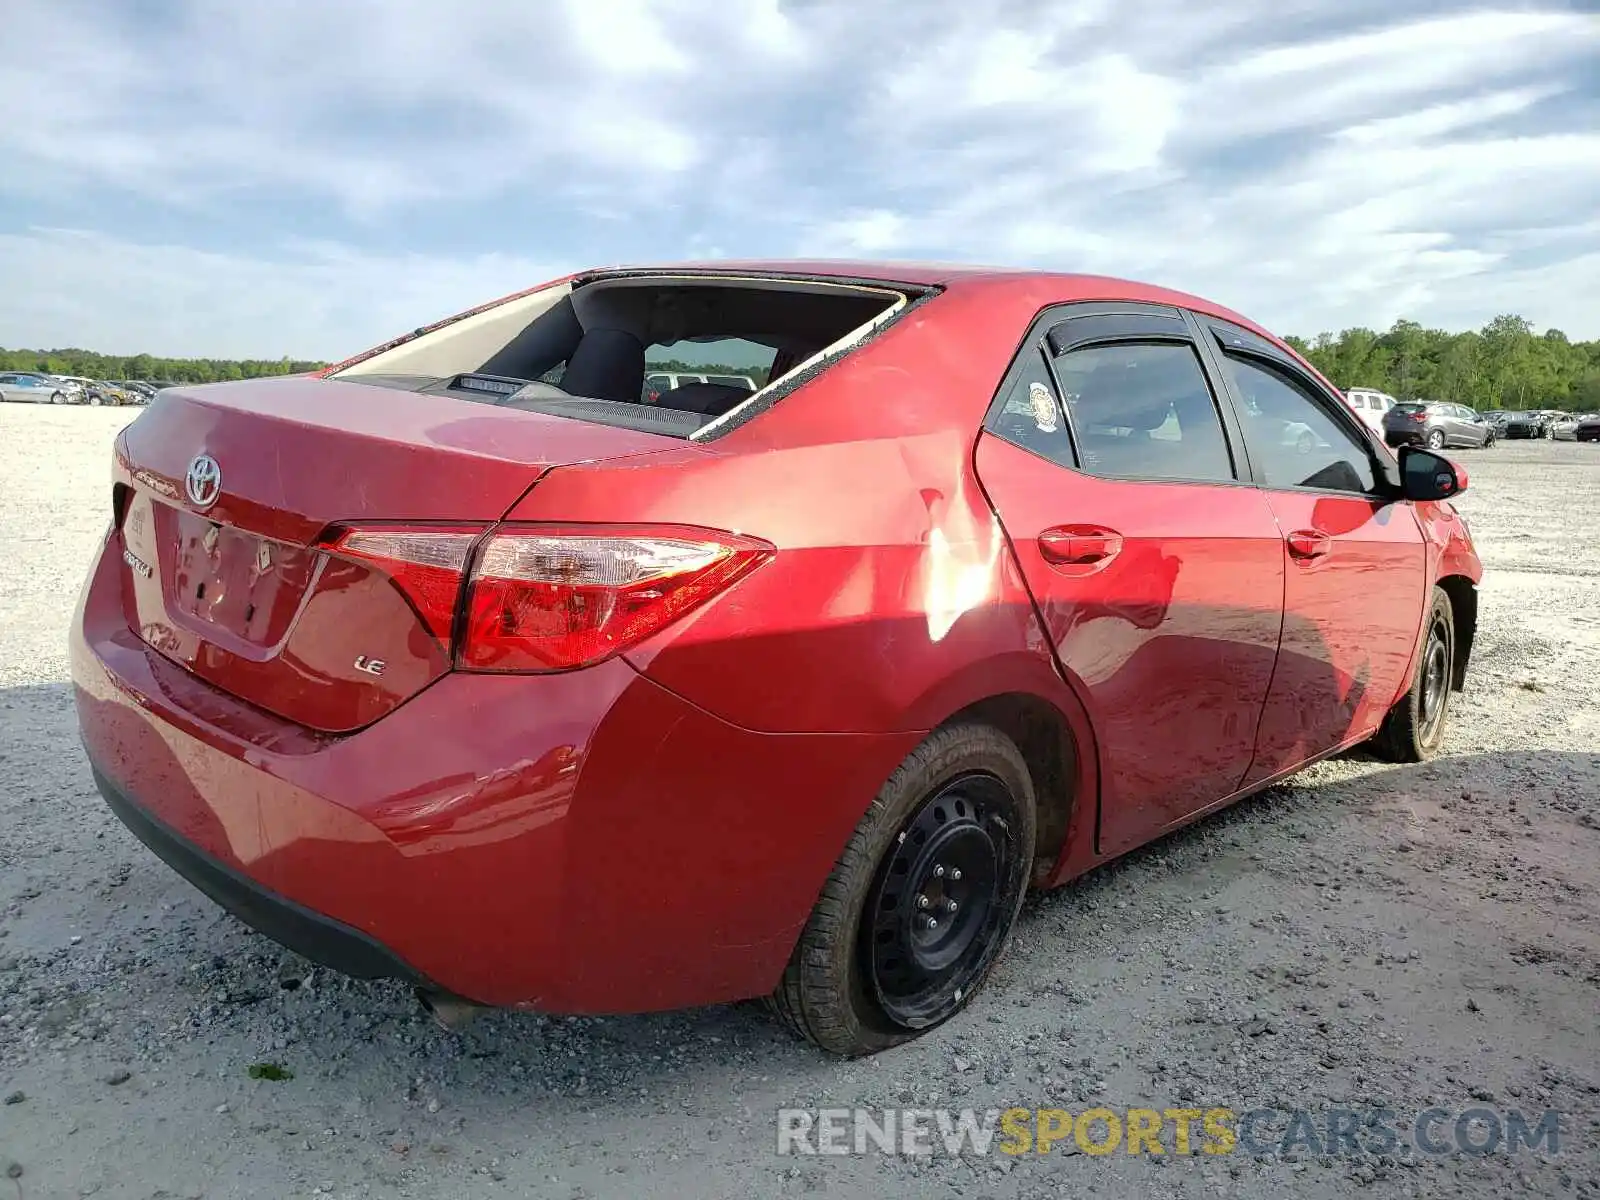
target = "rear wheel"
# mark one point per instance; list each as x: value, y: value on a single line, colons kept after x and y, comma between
x: 57, y: 398
x: 922, y: 900
x: 1436, y: 439
x: 1414, y: 728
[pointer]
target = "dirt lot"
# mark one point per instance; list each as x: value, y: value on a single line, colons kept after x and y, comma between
x: 1403, y: 937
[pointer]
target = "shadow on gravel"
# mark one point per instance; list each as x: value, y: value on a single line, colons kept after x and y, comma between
x: 170, y: 960
x: 1482, y: 788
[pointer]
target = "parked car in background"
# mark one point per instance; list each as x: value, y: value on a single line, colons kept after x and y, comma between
x: 140, y: 389
x: 1435, y: 424
x: 1523, y: 425
x: 1588, y: 428
x: 500, y: 706
x: 101, y: 391
x: 1564, y: 428
x: 1370, y: 405
x: 79, y: 384
x: 31, y: 388
x: 658, y: 382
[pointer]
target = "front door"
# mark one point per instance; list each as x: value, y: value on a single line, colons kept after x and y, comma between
x: 1357, y: 567
x: 1157, y: 574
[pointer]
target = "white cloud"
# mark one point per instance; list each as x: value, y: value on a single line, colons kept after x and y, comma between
x: 1311, y: 163
x: 309, y: 301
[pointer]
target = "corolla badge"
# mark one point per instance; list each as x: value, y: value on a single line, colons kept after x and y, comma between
x: 203, y: 483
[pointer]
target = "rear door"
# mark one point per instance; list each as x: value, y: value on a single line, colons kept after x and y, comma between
x: 1158, y: 573
x: 1357, y: 567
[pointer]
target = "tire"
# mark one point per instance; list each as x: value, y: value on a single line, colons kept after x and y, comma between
x: 1414, y: 728
x: 1306, y: 443
x: 57, y: 398
x: 94, y: 401
x: 1436, y: 439
x: 965, y: 788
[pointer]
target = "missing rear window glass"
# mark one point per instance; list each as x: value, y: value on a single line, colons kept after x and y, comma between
x: 693, y: 349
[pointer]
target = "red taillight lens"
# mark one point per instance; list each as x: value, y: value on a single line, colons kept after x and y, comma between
x: 426, y: 564
x: 551, y: 600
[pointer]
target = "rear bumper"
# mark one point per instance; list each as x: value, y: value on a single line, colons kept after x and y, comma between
x: 1520, y: 432
x: 1592, y: 434
x: 1405, y: 437
x: 582, y: 843
x: 319, y: 938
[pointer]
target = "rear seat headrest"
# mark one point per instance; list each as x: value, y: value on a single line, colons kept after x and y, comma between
x: 607, y: 364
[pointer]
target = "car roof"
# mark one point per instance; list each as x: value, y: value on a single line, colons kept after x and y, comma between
x: 1065, y: 287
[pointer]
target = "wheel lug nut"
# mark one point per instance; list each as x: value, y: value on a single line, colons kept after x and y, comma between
x: 950, y: 906
x: 923, y: 902
x: 938, y: 871
x: 955, y: 874
x: 933, y: 922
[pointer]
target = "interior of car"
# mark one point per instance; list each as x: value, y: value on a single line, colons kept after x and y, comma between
x: 1144, y: 411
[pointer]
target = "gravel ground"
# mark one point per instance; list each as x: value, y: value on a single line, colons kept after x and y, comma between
x: 1366, y: 934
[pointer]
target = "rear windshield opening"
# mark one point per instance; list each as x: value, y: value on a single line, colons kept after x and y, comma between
x: 665, y: 354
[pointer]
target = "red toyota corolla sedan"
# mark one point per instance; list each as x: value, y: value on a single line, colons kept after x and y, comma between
x: 463, y: 664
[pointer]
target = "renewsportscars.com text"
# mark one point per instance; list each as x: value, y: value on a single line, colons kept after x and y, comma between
x: 1180, y: 1131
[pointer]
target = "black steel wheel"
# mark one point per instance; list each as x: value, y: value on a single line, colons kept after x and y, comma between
x: 921, y: 903
x: 1414, y: 729
x: 948, y: 884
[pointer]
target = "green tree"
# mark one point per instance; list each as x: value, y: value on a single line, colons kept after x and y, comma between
x: 1505, y: 364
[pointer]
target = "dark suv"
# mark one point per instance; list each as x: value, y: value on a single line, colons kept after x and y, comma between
x: 1524, y: 425
x: 1436, y: 425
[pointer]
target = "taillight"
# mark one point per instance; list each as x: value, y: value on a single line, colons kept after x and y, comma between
x: 426, y: 564
x: 544, y: 599
x: 551, y: 600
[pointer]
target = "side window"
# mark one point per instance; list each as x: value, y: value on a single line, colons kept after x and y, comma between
x: 1293, y: 440
x: 1143, y: 410
x: 1031, y: 415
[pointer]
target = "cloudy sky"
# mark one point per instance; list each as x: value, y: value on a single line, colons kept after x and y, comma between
x: 307, y: 177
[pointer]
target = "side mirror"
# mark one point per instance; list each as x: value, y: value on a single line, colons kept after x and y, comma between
x: 1425, y: 475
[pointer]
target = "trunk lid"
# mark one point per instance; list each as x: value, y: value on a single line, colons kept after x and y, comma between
x: 223, y: 574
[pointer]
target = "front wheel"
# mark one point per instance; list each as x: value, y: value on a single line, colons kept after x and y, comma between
x: 922, y: 900
x: 1414, y: 728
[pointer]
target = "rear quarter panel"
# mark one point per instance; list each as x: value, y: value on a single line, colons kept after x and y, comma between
x: 893, y: 600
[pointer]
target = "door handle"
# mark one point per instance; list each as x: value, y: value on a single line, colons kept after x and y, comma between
x: 1079, y: 545
x: 1309, y: 543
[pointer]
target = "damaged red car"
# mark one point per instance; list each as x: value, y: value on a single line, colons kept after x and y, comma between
x: 461, y: 664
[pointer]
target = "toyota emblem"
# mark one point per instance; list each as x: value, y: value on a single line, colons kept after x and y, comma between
x: 204, y: 481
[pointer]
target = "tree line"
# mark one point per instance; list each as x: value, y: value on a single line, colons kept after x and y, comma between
x: 89, y: 365
x: 1503, y: 365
